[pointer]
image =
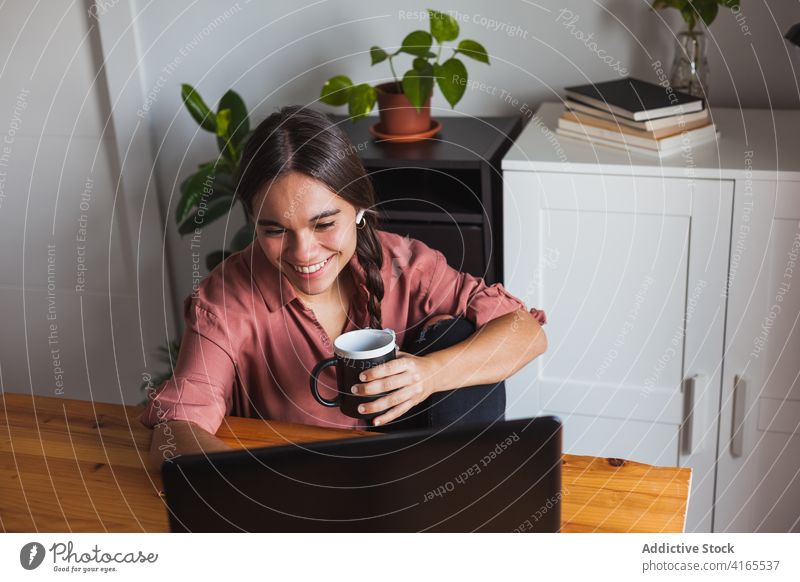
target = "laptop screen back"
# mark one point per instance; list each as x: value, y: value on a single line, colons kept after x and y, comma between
x: 500, y: 478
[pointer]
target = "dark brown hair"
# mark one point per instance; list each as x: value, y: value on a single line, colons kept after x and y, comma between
x: 299, y: 139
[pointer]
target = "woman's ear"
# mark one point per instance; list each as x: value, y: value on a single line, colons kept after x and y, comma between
x: 359, y: 216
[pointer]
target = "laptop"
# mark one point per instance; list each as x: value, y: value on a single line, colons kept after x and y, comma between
x: 504, y: 477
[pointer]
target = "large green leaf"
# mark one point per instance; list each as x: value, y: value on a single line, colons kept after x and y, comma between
x: 707, y: 9
x: 223, y: 179
x: 443, y: 26
x: 377, y: 54
x: 207, y: 182
x: 192, y: 192
x: 361, y: 101
x: 223, y: 122
x: 239, y: 124
x: 202, y: 217
x: 473, y: 50
x: 417, y: 87
x: 224, y: 182
x: 198, y: 108
x: 417, y: 43
x: 224, y: 142
x: 451, y: 76
x: 221, y: 165
x: 422, y: 66
x: 336, y: 90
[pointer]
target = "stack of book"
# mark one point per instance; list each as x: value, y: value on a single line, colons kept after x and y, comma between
x: 636, y: 116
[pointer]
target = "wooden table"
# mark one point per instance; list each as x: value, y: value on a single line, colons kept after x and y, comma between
x: 74, y: 465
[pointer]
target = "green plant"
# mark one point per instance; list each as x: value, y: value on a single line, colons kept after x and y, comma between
x: 693, y: 11
x: 417, y: 83
x: 208, y: 193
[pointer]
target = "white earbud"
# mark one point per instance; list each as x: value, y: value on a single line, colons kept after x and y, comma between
x: 359, y: 217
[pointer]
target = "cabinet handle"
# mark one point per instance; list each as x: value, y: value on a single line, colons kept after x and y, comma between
x: 692, y: 389
x: 737, y: 422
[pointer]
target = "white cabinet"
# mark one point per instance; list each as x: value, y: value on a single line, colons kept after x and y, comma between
x: 631, y: 272
x: 631, y: 260
x: 758, y: 475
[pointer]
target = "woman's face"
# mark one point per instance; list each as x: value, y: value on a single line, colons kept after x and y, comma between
x: 305, y: 230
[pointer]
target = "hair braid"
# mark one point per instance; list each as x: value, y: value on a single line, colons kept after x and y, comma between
x: 370, y: 255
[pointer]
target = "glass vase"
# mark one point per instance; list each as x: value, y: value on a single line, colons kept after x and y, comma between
x: 690, y: 67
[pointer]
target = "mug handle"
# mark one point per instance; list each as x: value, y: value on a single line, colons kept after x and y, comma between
x: 315, y: 389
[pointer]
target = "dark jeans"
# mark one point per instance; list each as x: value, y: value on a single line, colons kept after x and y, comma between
x: 482, y: 404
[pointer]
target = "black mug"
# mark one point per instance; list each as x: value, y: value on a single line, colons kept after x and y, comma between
x: 354, y: 352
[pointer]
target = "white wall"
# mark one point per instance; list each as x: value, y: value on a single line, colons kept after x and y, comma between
x: 71, y: 320
x: 276, y: 53
x: 87, y: 75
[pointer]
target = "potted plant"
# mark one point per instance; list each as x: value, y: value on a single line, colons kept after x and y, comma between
x: 404, y: 104
x: 690, y: 67
x: 208, y: 193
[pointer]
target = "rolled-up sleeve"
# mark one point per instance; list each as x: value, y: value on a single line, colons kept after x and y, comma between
x: 201, y: 385
x: 448, y: 291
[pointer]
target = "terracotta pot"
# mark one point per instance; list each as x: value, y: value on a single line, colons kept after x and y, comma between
x: 398, y: 115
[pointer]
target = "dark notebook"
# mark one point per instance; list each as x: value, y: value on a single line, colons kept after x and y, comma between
x: 635, y: 99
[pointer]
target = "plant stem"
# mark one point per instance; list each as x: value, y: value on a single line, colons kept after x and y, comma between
x: 396, y: 80
x: 691, y: 22
x: 230, y: 148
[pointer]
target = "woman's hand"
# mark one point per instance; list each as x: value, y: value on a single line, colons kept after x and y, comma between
x: 411, y: 378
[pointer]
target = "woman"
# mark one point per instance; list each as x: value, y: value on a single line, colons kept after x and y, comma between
x: 318, y: 267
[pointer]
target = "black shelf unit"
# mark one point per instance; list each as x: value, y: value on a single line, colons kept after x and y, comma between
x: 445, y: 191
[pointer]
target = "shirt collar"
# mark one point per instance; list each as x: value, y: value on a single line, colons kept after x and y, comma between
x: 276, y: 289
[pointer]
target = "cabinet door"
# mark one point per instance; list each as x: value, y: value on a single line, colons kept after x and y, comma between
x: 758, y: 480
x: 631, y: 272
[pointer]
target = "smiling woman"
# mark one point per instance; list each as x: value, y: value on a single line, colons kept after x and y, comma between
x: 319, y: 267
x: 303, y: 184
x: 312, y: 240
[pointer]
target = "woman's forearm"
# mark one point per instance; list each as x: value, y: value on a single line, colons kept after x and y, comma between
x: 177, y: 437
x: 495, y: 352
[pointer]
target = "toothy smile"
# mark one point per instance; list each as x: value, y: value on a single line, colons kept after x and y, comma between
x: 310, y: 268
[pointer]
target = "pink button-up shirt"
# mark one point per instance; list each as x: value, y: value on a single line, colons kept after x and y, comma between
x: 250, y: 343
